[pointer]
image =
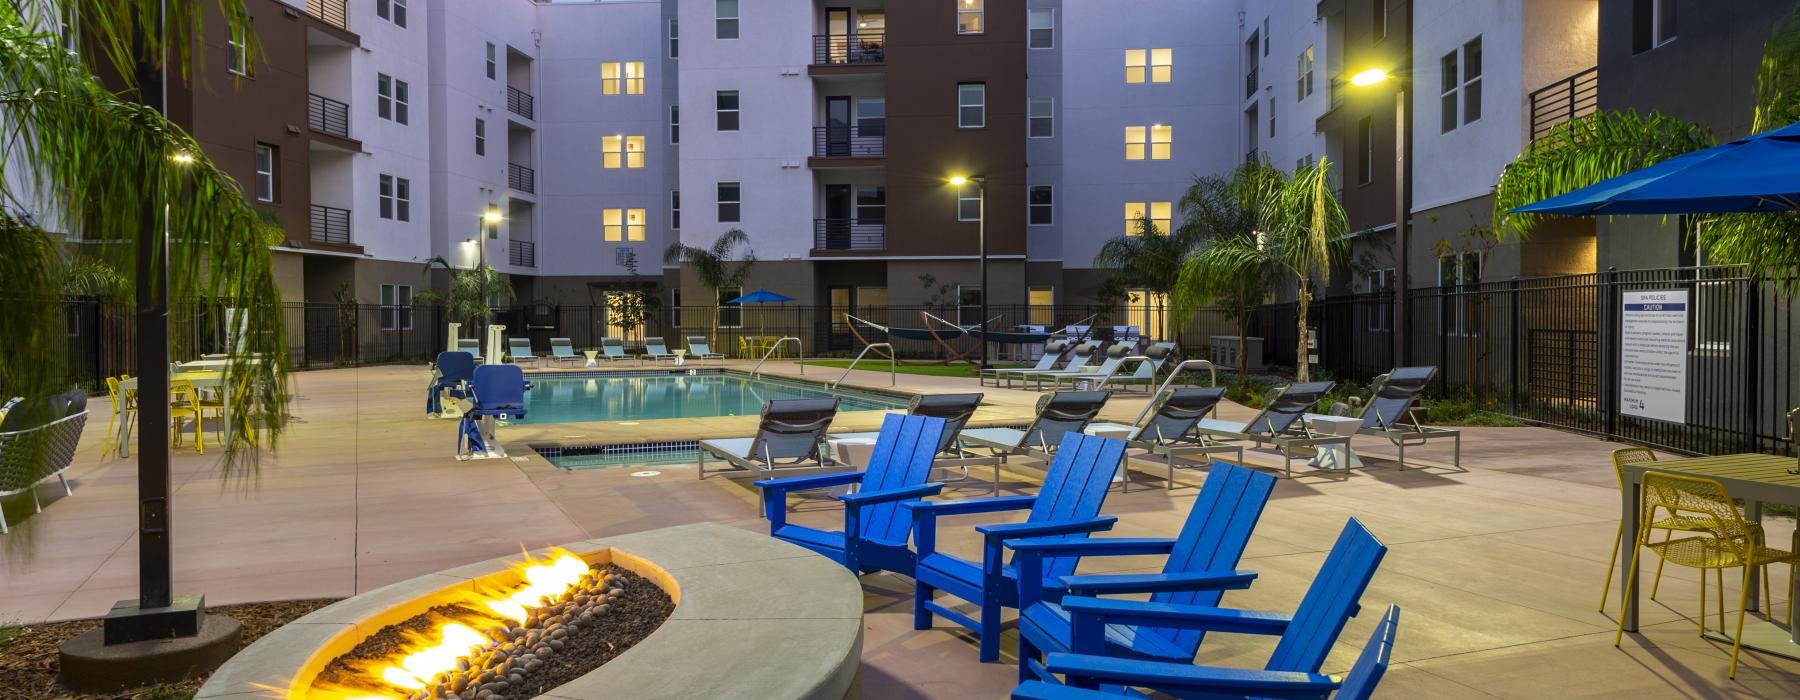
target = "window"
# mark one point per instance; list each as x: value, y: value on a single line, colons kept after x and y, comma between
x: 968, y: 304
x: 265, y: 172
x: 1460, y: 86
x: 1153, y: 65
x: 675, y: 307
x: 481, y: 137
x: 726, y: 24
x: 1041, y: 118
x: 871, y: 204
x: 1303, y: 83
x: 1381, y: 20
x: 971, y: 16
x: 395, y: 198
x: 730, y: 315
x: 620, y: 151
x: 1459, y: 274
x: 1161, y: 215
x: 675, y: 209
x: 968, y: 202
x: 727, y: 105
x: 625, y: 77
x: 491, y: 229
x: 1137, y: 65
x: 971, y: 105
x: 493, y: 62
x: 391, y: 98
x: 392, y: 11
x: 1039, y: 204
x: 1265, y: 36
x: 1381, y: 282
x: 1146, y: 311
x: 730, y: 202
x: 622, y: 224
x: 1155, y: 142
x: 871, y: 117
x: 237, y: 50
x: 396, y: 307
x: 1162, y: 65
x: 674, y: 124
x: 1365, y: 152
x: 1041, y: 28
x: 1652, y: 24
x: 1271, y: 116
x: 1042, y: 303
x: 674, y: 39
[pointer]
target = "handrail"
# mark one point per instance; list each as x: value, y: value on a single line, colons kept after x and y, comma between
x: 1184, y: 364
x: 892, y: 371
x: 777, y: 346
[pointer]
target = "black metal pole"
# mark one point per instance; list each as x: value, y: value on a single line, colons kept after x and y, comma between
x: 1400, y: 257
x: 981, y: 234
x: 155, y: 569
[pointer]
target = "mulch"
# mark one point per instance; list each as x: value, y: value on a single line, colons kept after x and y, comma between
x: 28, y: 663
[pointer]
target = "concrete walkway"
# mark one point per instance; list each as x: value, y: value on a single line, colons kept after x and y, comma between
x: 1497, y: 566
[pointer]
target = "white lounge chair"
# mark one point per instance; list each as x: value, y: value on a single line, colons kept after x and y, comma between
x: 700, y: 349
x: 613, y: 349
x: 562, y: 350
x: 519, y: 350
x: 788, y: 439
x: 1054, y: 350
x: 656, y: 350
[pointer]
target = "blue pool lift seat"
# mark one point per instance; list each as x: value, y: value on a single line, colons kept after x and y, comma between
x: 451, y: 374
x: 498, y: 391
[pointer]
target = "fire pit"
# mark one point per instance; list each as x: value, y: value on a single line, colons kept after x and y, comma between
x: 589, y: 619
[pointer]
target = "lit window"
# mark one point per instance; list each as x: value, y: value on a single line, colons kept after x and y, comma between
x: 971, y: 16
x: 1042, y: 301
x: 1136, y: 140
x: 481, y: 137
x: 1040, y: 210
x: 493, y: 63
x: 1041, y: 28
x: 1155, y: 142
x: 623, y: 224
x: 1162, y: 65
x: 237, y: 50
x: 491, y: 229
x: 1162, y: 138
x: 968, y: 202
x: 971, y: 105
x: 727, y: 105
x: 265, y: 172
x: 622, y: 78
x: 620, y: 151
x: 1151, y: 65
x: 1042, y: 118
x: 1159, y: 213
x: 726, y: 24
x: 730, y: 202
x: 1137, y: 62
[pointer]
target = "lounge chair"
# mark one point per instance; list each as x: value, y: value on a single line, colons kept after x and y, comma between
x: 38, y: 438
x: 1083, y: 672
x: 1115, y: 355
x: 1306, y: 637
x: 700, y: 349
x: 519, y: 350
x: 495, y: 392
x: 1280, y: 423
x: 656, y: 350
x: 956, y: 410
x: 1389, y: 413
x: 451, y: 373
x: 1054, y: 350
x: 1076, y: 357
x: 1199, y: 568
x: 1068, y: 506
x: 613, y: 349
x: 875, y: 531
x: 1142, y: 372
x: 562, y: 350
x: 1058, y: 414
x: 1169, y: 430
x: 789, y: 437
x: 471, y: 346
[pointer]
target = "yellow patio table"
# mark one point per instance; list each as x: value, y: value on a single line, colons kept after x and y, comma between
x: 200, y: 379
x: 1755, y: 478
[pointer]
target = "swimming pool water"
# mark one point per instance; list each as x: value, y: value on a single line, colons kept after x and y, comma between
x: 570, y: 398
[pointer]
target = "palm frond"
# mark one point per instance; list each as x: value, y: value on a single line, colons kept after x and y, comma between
x: 1583, y: 151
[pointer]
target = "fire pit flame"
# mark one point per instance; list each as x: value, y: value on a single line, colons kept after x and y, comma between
x: 419, y: 668
x: 543, y: 581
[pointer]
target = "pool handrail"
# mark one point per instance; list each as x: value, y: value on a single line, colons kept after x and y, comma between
x: 892, y: 367
x: 799, y: 346
x: 1184, y: 364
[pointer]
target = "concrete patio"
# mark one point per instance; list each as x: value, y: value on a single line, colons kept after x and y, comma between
x: 1497, y: 566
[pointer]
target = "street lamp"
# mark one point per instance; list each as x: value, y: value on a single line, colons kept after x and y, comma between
x: 491, y: 217
x: 980, y: 183
x: 1369, y: 78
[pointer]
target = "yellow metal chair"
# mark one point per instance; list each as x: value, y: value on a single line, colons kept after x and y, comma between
x: 1727, y: 541
x: 1669, y: 525
x: 122, y: 402
x: 185, y: 403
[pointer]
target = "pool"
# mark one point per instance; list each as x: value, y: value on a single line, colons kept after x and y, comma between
x: 629, y: 396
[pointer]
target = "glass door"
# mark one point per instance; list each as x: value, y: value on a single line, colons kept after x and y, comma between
x: 837, y: 34
x: 838, y: 205
x: 837, y: 126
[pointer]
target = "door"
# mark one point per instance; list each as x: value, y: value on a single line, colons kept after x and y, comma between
x: 837, y: 34
x: 837, y: 126
x: 838, y: 204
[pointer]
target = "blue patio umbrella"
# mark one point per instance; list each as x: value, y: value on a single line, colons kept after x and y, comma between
x: 761, y: 296
x: 1755, y: 173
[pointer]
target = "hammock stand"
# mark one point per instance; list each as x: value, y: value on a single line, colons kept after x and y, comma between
x: 929, y: 332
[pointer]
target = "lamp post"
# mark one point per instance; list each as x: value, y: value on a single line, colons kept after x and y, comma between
x: 980, y: 183
x: 491, y: 217
x: 1367, y: 78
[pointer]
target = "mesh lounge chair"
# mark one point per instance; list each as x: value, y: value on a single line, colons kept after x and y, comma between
x: 700, y: 349
x: 1076, y: 357
x: 519, y: 349
x: 562, y: 350
x: 451, y: 372
x: 1058, y: 415
x: 1389, y: 413
x: 1115, y: 355
x: 471, y: 346
x: 788, y: 439
x: 1054, y: 350
x: 613, y: 349
x: 955, y: 410
x: 1169, y: 431
x: 1144, y: 371
x: 655, y: 349
x: 1280, y: 423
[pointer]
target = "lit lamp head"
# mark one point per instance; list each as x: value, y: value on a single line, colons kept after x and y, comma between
x: 492, y: 216
x: 1369, y: 77
x: 959, y: 180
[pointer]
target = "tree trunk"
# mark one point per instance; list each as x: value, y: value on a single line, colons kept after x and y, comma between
x: 1300, y: 364
x: 1243, y: 329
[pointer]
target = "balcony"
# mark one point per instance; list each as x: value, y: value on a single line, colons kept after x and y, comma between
x: 521, y: 178
x: 327, y: 116
x: 1336, y: 88
x: 520, y: 102
x: 1564, y: 100
x: 865, y: 48
x: 330, y: 225
x: 1252, y: 156
x: 1250, y: 83
x: 521, y: 253
x: 850, y: 141
x: 333, y: 12
x: 849, y: 234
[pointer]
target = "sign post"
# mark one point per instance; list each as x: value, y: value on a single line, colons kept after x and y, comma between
x: 1653, y: 351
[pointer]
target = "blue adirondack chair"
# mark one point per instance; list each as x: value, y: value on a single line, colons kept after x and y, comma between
x: 1182, y: 680
x: 1198, y: 571
x: 452, y: 372
x: 1306, y: 636
x: 1067, y: 506
x: 875, y: 529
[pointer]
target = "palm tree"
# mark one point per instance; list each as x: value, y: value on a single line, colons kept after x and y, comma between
x: 715, y: 266
x: 1230, y: 269
x: 470, y: 291
x: 1149, y: 260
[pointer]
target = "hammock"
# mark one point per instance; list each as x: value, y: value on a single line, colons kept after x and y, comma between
x: 927, y: 333
x: 1030, y: 337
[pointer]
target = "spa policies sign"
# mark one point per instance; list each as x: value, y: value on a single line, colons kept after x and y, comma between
x: 1653, y: 348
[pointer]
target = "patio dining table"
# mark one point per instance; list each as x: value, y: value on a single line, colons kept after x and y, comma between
x: 1755, y: 478
x: 200, y: 379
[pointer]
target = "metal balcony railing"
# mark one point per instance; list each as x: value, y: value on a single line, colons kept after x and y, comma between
x: 521, y: 253
x: 849, y: 141
x: 1251, y: 156
x: 330, y: 225
x: 520, y: 102
x: 1564, y: 100
x: 521, y: 178
x: 842, y: 49
x: 1336, y: 87
x: 849, y: 234
x: 333, y: 12
x: 327, y: 116
x: 1250, y: 83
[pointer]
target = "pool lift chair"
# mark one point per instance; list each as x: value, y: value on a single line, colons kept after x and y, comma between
x: 497, y: 392
x: 450, y: 374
